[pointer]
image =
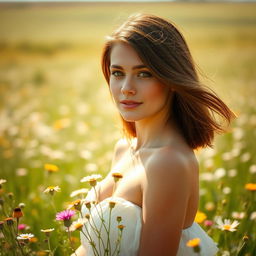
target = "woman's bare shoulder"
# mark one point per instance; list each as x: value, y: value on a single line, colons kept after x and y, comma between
x: 121, y: 146
x: 169, y: 157
x: 168, y: 164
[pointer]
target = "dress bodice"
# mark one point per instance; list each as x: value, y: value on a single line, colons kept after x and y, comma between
x: 131, y: 215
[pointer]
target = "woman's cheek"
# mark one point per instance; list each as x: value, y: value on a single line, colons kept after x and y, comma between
x: 114, y: 91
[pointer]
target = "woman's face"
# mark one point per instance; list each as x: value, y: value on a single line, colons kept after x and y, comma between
x: 137, y: 93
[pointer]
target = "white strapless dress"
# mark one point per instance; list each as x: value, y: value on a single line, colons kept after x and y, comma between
x: 132, y: 220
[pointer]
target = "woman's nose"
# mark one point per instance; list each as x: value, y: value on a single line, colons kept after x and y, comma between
x: 128, y: 87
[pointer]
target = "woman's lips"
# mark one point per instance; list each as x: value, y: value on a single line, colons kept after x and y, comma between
x: 130, y: 104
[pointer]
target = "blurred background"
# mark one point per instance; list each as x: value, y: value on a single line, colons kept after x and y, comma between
x: 55, y: 106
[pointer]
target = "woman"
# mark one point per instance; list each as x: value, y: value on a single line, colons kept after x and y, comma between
x: 167, y: 114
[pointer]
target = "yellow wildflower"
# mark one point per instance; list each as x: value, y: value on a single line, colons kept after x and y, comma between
x: 51, y: 168
x: 193, y: 242
x: 250, y: 186
x: 200, y: 217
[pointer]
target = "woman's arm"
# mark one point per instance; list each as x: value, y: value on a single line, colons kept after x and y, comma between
x: 166, y: 192
x: 80, y: 251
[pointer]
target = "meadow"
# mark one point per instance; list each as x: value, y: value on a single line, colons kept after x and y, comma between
x: 58, y: 123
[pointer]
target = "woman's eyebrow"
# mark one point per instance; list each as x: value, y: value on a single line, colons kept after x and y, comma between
x: 135, y: 67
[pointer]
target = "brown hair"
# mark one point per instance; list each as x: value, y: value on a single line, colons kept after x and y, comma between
x: 163, y: 49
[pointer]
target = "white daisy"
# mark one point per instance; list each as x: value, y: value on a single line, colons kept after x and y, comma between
x: 77, y: 225
x: 25, y: 236
x: 91, y: 177
x: 227, y: 225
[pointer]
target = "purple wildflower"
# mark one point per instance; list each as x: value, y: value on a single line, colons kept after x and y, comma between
x: 66, y: 217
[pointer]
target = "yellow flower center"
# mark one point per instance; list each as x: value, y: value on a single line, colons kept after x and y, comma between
x: 226, y: 227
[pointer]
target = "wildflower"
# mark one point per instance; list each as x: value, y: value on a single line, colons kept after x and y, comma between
x: 22, y: 226
x: 209, y: 206
x: 118, y: 218
x: 253, y: 216
x: 92, y: 179
x: 25, y: 236
x: 87, y: 216
x: 52, y: 189
x: 79, y: 192
x: 65, y: 216
x: 117, y: 176
x: 226, y: 190
x: 246, y: 157
x: 232, y: 173
x: 22, y: 205
x: 200, y: 217
x: 76, y: 204
x: 2, y: 181
x: 21, y: 172
x: 17, y: 213
x: 33, y: 240
x: 112, y: 204
x: 224, y: 202
x: 227, y: 225
x: 10, y: 195
x: 88, y: 204
x: 121, y: 227
x: 219, y: 173
x: 252, y: 169
x: 238, y: 215
x: 208, y: 223
x: 47, y: 231
x: 51, y: 168
x: 77, y: 225
x: 250, y: 186
x: 195, y: 244
x: 61, y: 123
x: 9, y: 221
x: 245, y: 238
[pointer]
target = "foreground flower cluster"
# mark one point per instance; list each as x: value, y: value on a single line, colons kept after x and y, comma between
x: 72, y: 219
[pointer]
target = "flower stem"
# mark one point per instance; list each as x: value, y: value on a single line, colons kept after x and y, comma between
x: 108, y: 232
x: 49, y: 246
x: 69, y: 237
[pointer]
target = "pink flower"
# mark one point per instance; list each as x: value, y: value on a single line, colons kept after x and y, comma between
x: 208, y: 223
x: 21, y: 226
x: 65, y: 215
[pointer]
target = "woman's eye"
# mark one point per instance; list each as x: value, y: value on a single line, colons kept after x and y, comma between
x: 117, y: 73
x: 144, y: 74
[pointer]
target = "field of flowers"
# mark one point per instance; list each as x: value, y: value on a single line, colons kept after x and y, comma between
x: 58, y: 124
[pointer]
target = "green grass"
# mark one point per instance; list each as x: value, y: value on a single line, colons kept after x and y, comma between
x: 50, y: 70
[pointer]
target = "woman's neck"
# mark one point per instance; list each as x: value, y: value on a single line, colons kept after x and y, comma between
x: 155, y: 132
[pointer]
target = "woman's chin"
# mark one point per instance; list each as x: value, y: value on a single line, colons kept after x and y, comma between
x: 130, y: 118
